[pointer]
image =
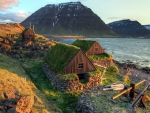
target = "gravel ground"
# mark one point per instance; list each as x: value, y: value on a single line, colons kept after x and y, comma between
x: 138, y: 75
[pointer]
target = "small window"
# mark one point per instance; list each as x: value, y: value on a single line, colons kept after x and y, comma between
x: 80, y: 66
x: 96, y: 49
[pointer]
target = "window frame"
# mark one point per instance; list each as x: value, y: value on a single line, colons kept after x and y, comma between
x: 80, y: 65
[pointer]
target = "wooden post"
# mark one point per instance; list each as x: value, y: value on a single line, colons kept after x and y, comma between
x: 132, y: 91
x: 140, y: 98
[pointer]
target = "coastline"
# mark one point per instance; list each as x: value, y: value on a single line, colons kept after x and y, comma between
x: 134, y: 73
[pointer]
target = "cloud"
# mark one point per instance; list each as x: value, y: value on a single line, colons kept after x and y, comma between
x: 5, y: 4
x: 15, y: 17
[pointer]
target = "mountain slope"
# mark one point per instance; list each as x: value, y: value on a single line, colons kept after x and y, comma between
x: 70, y: 18
x: 129, y: 28
x: 147, y: 27
x: 10, y: 29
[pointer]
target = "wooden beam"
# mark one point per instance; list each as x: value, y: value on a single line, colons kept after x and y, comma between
x: 147, y: 97
x: 128, y: 89
x: 138, y: 97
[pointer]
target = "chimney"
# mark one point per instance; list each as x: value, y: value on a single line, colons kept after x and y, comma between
x: 30, y: 25
x: 33, y: 28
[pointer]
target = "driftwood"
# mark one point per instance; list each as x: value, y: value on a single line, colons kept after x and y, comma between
x: 128, y: 89
x: 114, y: 87
x: 141, y: 98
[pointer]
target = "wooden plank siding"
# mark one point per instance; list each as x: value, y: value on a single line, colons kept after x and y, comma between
x: 73, y: 66
x: 29, y: 35
x: 95, y: 49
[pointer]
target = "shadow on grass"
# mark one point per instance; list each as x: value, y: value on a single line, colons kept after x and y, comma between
x: 63, y: 100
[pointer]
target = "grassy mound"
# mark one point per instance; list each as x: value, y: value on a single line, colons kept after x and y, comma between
x: 84, y: 44
x: 100, y: 56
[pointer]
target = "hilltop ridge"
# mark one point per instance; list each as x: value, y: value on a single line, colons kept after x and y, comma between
x: 129, y: 28
x: 14, y: 28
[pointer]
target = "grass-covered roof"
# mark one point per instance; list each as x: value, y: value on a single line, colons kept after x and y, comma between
x: 27, y: 29
x: 84, y: 44
x: 59, y: 56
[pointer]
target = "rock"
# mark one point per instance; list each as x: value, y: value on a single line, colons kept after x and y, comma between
x: 5, y: 46
x: 12, y: 110
x: 10, y: 102
x: 35, y: 75
x: 146, y: 69
x: 16, y: 56
x: 2, y: 110
x: 9, y: 95
x: 25, y: 104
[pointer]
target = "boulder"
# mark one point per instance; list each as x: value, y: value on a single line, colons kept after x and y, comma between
x: 9, y: 95
x: 25, y: 104
x: 6, y: 47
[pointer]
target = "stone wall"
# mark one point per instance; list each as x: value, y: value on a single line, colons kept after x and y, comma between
x: 104, y: 62
x: 71, y: 85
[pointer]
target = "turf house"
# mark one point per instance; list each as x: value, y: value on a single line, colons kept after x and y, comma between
x: 66, y: 65
x: 95, y: 52
x: 90, y: 47
x: 28, y: 35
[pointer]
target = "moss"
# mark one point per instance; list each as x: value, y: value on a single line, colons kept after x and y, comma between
x: 100, y: 56
x: 68, y: 76
x: 94, y: 73
x: 84, y: 44
x: 112, y: 75
x: 59, y: 56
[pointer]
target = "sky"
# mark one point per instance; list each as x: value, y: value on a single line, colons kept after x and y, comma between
x: 15, y: 11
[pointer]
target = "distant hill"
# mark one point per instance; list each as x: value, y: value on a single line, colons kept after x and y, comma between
x: 14, y: 28
x: 147, y: 26
x: 70, y: 18
x: 129, y: 28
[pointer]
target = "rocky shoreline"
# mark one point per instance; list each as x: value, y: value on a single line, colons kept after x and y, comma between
x: 87, y: 105
x: 131, y: 65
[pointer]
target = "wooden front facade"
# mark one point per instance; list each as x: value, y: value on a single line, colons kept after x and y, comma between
x: 28, y: 35
x: 95, y: 49
x: 79, y: 64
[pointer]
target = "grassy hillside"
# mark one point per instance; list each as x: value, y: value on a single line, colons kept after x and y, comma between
x: 13, y: 76
x: 10, y: 29
x: 30, y: 79
x: 66, y: 101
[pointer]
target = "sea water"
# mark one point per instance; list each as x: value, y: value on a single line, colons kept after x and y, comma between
x: 134, y: 50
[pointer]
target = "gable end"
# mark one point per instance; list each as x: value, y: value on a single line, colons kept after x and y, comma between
x: 79, y: 64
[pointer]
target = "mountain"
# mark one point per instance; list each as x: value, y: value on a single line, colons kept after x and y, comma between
x: 129, y: 28
x: 70, y: 18
x: 147, y: 26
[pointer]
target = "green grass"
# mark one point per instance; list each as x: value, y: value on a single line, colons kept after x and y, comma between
x: 11, y: 65
x: 94, y: 73
x: 111, y: 75
x: 63, y: 100
x: 100, y: 56
x: 68, y: 76
x: 84, y: 44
